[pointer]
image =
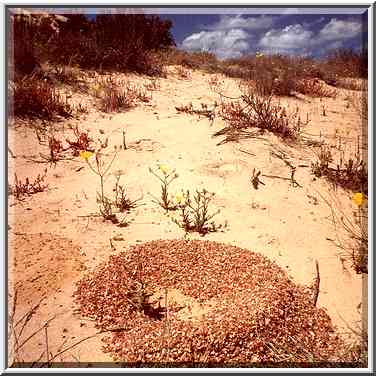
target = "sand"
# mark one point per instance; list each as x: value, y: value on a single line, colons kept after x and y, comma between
x: 53, y: 236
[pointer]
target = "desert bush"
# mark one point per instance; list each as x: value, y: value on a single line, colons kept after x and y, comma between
x: 27, y: 33
x: 346, y: 63
x: 281, y: 83
x: 260, y: 112
x: 105, y: 209
x: 21, y: 189
x: 100, y: 168
x: 274, y: 74
x: 116, y: 42
x: 153, y: 85
x: 351, y: 174
x: 315, y: 88
x: 120, y: 42
x: 115, y: 96
x: 204, y: 111
x: 193, y: 60
x: 194, y: 212
x: 34, y: 98
x: 139, y: 93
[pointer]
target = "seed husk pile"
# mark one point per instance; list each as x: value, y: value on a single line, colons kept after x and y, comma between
x: 257, y: 314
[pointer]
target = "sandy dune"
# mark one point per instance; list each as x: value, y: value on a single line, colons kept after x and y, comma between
x: 53, y: 238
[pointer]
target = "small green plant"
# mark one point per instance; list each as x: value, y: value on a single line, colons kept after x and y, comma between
x: 105, y: 209
x: 194, y: 212
x: 101, y: 169
x: 167, y: 177
x: 122, y: 202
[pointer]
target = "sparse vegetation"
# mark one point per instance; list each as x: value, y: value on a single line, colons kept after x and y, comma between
x: 351, y: 174
x: 260, y: 113
x: 115, y: 100
x: 82, y: 142
x: 192, y: 60
x: 167, y: 177
x: 183, y: 73
x: 106, y: 205
x: 360, y: 102
x: 184, y: 302
x: 194, y: 212
x: 37, y: 99
x: 101, y: 169
x: 354, y: 244
x: 203, y: 111
x: 21, y: 189
x: 56, y: 148
x: 315, y: 88
x: 122, y: 202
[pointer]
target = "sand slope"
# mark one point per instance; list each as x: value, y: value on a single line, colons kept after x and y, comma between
x: 52, y: 235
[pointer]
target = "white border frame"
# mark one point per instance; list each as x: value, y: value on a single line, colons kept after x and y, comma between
x: 3, y: 171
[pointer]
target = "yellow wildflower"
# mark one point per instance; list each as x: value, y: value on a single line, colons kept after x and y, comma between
x: 259, y: 54
x: 180, y: 199
x: 86, y: 154
x: 359, y: 198
x: 164, y: 169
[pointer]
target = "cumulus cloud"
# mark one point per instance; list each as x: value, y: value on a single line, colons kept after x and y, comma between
x: 339, y: 29
x: 240, y: 22
x: 299, y: 39
x: 293, y: 39
x: 238, y: 35
x: 224, y: 43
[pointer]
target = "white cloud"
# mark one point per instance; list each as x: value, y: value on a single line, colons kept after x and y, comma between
x: 224, y: 43
x: 240, y: 22
x: 339, y: 30
x: 293, y: 39
x: 238, y: 35
x: 298, y: 39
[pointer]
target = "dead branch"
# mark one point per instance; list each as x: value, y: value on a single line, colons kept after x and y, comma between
x: 317, y: 284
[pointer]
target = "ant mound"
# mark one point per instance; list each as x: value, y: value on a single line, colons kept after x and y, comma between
x: 201, y: 302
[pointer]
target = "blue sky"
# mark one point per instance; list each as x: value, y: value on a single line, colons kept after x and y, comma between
x: 294, y: 33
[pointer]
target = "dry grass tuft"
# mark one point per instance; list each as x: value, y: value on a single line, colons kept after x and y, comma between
x: 262, y: 113
x: 34, y: 98
x: 315, y: 88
